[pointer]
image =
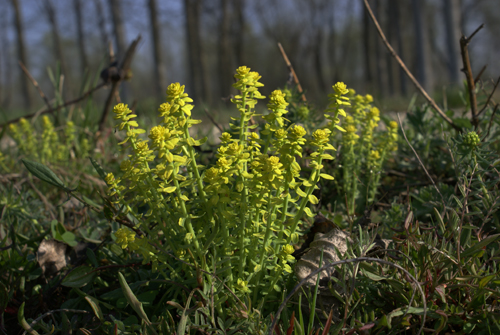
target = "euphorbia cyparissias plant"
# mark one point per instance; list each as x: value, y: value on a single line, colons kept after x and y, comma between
x: 238, y: 217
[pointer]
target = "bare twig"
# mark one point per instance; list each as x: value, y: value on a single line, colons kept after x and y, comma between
x: 292, y: 71
x: 405, y: 69
x: 480, y: 74
x: 213, y: 121
x: 464, y: 42
x: 35, y: 83
x: 125, y: 66
x: 52, y: 110
x: 489, y: 97
x: 421, y: 164
x: 491, y: 119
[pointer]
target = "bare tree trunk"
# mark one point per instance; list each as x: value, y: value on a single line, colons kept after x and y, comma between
x: 102, y: 24
x: 390, y: 24
x: 6, y: 63
x: 367, y: 50
x: 119, y: 32
x: 239, y: 31
x: 451, y: 13
x: 81, y: 41
x: 380, y: 51
x: 399, y: 41
x: 118, y: 27
x: 21, y: 53
x: 159, y: 66
x: 56, y: 38
x: 420, y: 45
x: 197, y: 69
x: 225, y: 59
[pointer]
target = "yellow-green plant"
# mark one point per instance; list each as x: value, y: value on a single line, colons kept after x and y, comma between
x: 363, y: 154
x: 238, y: 217
x: 48, y: 146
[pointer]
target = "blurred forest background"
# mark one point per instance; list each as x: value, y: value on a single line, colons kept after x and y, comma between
x: 201, y: 42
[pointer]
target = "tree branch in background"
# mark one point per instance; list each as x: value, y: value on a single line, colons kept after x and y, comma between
x: 292, y: 71
x: 35, y: 83
x: 213, y: 121
x: 122, y: 73
x: 489, y: 97
x: 55, y: 109
x: 408, y: 73
x: 464, y: 43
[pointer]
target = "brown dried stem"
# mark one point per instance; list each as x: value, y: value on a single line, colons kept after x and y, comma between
x: 405, y: 69
x: 292, y: 71
x: 35, y: 83
x: 421, y: 163
x: 489, y: 97
x: 125, y: 66
x: 52, y: 110
x: 464, y: 42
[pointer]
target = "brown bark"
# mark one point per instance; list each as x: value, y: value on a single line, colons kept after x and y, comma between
x: 159, y: 65
x: 21, y: 53
x: 77, y: 4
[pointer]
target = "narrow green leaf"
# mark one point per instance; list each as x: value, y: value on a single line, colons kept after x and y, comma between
x: 22, y: 321
x: 133, y: 301
x: 313, y: 200
x: 98, y: 168
x: 79, y: 277
x: 478, y: 246
x: 483, y: 282
x: 308, y: 212
x: 44, y: 173
x: 94, y: 304
x: 326, y: 176
x: 300, y: 192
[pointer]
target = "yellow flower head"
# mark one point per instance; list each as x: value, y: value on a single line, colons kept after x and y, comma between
x: 175, y: 90
x: 124, y: 237
x: 288, y: 249
x: 340, y: 88
x: 225, y: 137
x: 297, y: 132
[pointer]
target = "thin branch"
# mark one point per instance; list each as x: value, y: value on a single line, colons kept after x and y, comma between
x: 479, y: 74
x: 124, y: 68
x: 491, y: 119
x: 467, y: 69
x: 420, y: 161
x: 408, y: 73
x: 292, y: 71
x: 489, y: 97
x: 213, y: 121
x: 52, y: 110
x: 475, y: 32
x: 35, y: 83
